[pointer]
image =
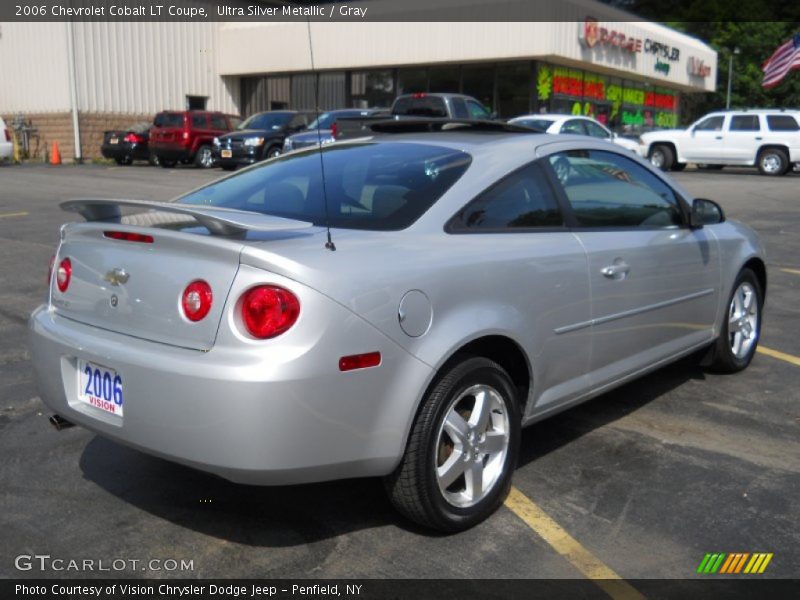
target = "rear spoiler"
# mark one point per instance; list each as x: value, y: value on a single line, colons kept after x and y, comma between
x: 218, y: 220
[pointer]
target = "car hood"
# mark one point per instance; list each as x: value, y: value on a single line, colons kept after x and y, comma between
x: 241, y: 134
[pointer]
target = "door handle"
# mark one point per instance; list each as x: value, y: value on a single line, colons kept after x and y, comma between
x: 618, y: 270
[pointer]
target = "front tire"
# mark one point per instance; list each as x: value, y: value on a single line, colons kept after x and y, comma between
x: 662, y: 157
x: 773, y: 161
x: 272, y: 152
x: 204, y: 159
x: 736, y: 345
x: 462, y: 449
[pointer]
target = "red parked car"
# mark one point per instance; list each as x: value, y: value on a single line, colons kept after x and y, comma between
x: 188, y: 136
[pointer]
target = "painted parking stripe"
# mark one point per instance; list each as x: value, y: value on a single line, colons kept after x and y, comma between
x: 16, y: 214
x: 792, y: 271
x: 568, y: 547
x: 790, y: 358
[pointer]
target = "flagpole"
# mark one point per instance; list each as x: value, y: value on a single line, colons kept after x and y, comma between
x: 730, y: 76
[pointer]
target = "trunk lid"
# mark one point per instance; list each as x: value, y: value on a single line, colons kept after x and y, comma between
x: 147, y: 303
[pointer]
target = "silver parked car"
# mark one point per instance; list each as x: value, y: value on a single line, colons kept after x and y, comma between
x: 473, y: 281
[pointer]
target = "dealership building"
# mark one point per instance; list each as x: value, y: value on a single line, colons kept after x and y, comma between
x: 72, y: 81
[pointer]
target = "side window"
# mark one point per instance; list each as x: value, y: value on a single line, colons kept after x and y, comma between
x: 459, y: 108
x: 710, y: 124
x: 199, y: 121
x: 782, y: 123
x: 745, y: 123
x: 609, y: 190
x: 522, y: 200
x: 595, y: 130
x: 476, y: 111
x: 573, y: 126
x: 219, y: 122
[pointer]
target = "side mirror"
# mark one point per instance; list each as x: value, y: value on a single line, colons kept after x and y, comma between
x: 705, y: 212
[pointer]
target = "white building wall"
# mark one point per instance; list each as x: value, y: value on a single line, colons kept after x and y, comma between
x: 134, y: 68
x: 33, y: 65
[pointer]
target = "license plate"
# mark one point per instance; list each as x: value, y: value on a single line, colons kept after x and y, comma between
x: 101, y: 387
x: 113, y: 140
x: 226, y: 153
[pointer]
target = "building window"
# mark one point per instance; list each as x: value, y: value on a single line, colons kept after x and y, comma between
x: 444, y: 80
x: 263, y: 93
x: 514, y: 87
x: 372, y: 89
x: 478, y: 81
x: 412, y: 80
x: 196, y: 102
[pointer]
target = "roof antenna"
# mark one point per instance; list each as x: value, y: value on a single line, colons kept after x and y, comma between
x: 329, y: 243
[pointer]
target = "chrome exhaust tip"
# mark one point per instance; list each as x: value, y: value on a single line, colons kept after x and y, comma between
x: 60, y: 422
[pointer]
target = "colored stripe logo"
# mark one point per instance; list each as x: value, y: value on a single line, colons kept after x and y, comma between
x: 734, y: 563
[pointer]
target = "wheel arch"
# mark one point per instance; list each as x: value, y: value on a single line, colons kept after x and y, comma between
x: 758, y: 267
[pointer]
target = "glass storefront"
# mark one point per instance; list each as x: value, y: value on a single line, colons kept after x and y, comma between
x: 509, y: 88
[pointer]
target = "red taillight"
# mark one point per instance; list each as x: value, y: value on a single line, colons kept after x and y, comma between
x: 359, y: 361
x: 268, y: 311
x: 196, y: 300
x: 50, y: 269
x: 186, y: 135
x: 133, y: 138
x: 129, y: 236
x: 419, y: 95
x: 334, y: 130
x: 8, y: 136
x: 63, y: 275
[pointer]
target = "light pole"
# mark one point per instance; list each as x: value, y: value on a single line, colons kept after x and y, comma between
x: 730, y: 76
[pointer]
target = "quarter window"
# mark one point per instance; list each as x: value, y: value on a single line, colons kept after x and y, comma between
x: 573, y: 126
x: 710, y: 124
x: 522, y: 200
x: 782, y: 123
x: 605, y: 189
x: 219, y: 122
x: 745, y: 123
x: 199, y: 121
x: 594, y: 130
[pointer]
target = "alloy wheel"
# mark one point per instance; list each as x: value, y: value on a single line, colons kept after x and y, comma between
x: 743, y: 320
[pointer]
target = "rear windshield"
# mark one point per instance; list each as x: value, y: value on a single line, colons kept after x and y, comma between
x: 538, y: 124
x: 168, y: 120
x: 266, y: 121
x: 374, y: 186
x: 425, y: 106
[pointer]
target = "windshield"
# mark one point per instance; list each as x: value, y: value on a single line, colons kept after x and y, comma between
x: 266, y: 121
x: 374, y: 186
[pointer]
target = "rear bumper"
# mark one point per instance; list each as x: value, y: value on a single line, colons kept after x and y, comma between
x: 125, y: 150
x: 237, y: 414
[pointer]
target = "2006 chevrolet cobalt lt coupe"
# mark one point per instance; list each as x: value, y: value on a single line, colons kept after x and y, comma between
x: 473, y: 281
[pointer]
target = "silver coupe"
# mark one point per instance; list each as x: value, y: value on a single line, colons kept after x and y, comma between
x: 398, y: 305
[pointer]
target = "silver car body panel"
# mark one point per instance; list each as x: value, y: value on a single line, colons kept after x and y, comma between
x: 280, y: 411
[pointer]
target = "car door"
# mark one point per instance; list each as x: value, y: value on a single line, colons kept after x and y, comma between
x: 743, y: 138
x: 705, y: 142
x: 518, y: 247
x: 654, y: 281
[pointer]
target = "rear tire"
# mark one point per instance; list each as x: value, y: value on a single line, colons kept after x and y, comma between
x: 153, y: 160
x: 773, y: 162
x: 741, y: 329
x: 662, y: 157
x: 462, y: 448
x: 204, y: 159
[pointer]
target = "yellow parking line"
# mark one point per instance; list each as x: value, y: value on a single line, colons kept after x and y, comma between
x: 16, y: 214
x: 792, y: 271
x: 568, y: 547
x: 790, y: 358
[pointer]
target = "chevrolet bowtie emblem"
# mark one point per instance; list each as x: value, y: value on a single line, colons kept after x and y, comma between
x: 117, y: 276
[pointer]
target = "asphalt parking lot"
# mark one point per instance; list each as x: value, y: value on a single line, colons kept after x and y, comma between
x: 645, y: 480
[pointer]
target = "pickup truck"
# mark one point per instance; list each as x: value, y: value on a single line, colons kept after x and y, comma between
x: 437, y: 106
x: 767, y: 139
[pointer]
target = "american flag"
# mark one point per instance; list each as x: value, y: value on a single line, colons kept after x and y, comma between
x: 785, y: 58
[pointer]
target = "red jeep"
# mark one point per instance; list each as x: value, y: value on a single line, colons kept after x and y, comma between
x: 188, y: 136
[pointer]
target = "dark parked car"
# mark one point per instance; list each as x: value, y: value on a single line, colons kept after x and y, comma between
x: 323, y: 129
x: 128, y: 145
x: 259, y: 137
x: 187, y: 136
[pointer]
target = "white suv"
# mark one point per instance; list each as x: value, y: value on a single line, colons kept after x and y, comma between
x: 768, y: 139
x: 6, y: 147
